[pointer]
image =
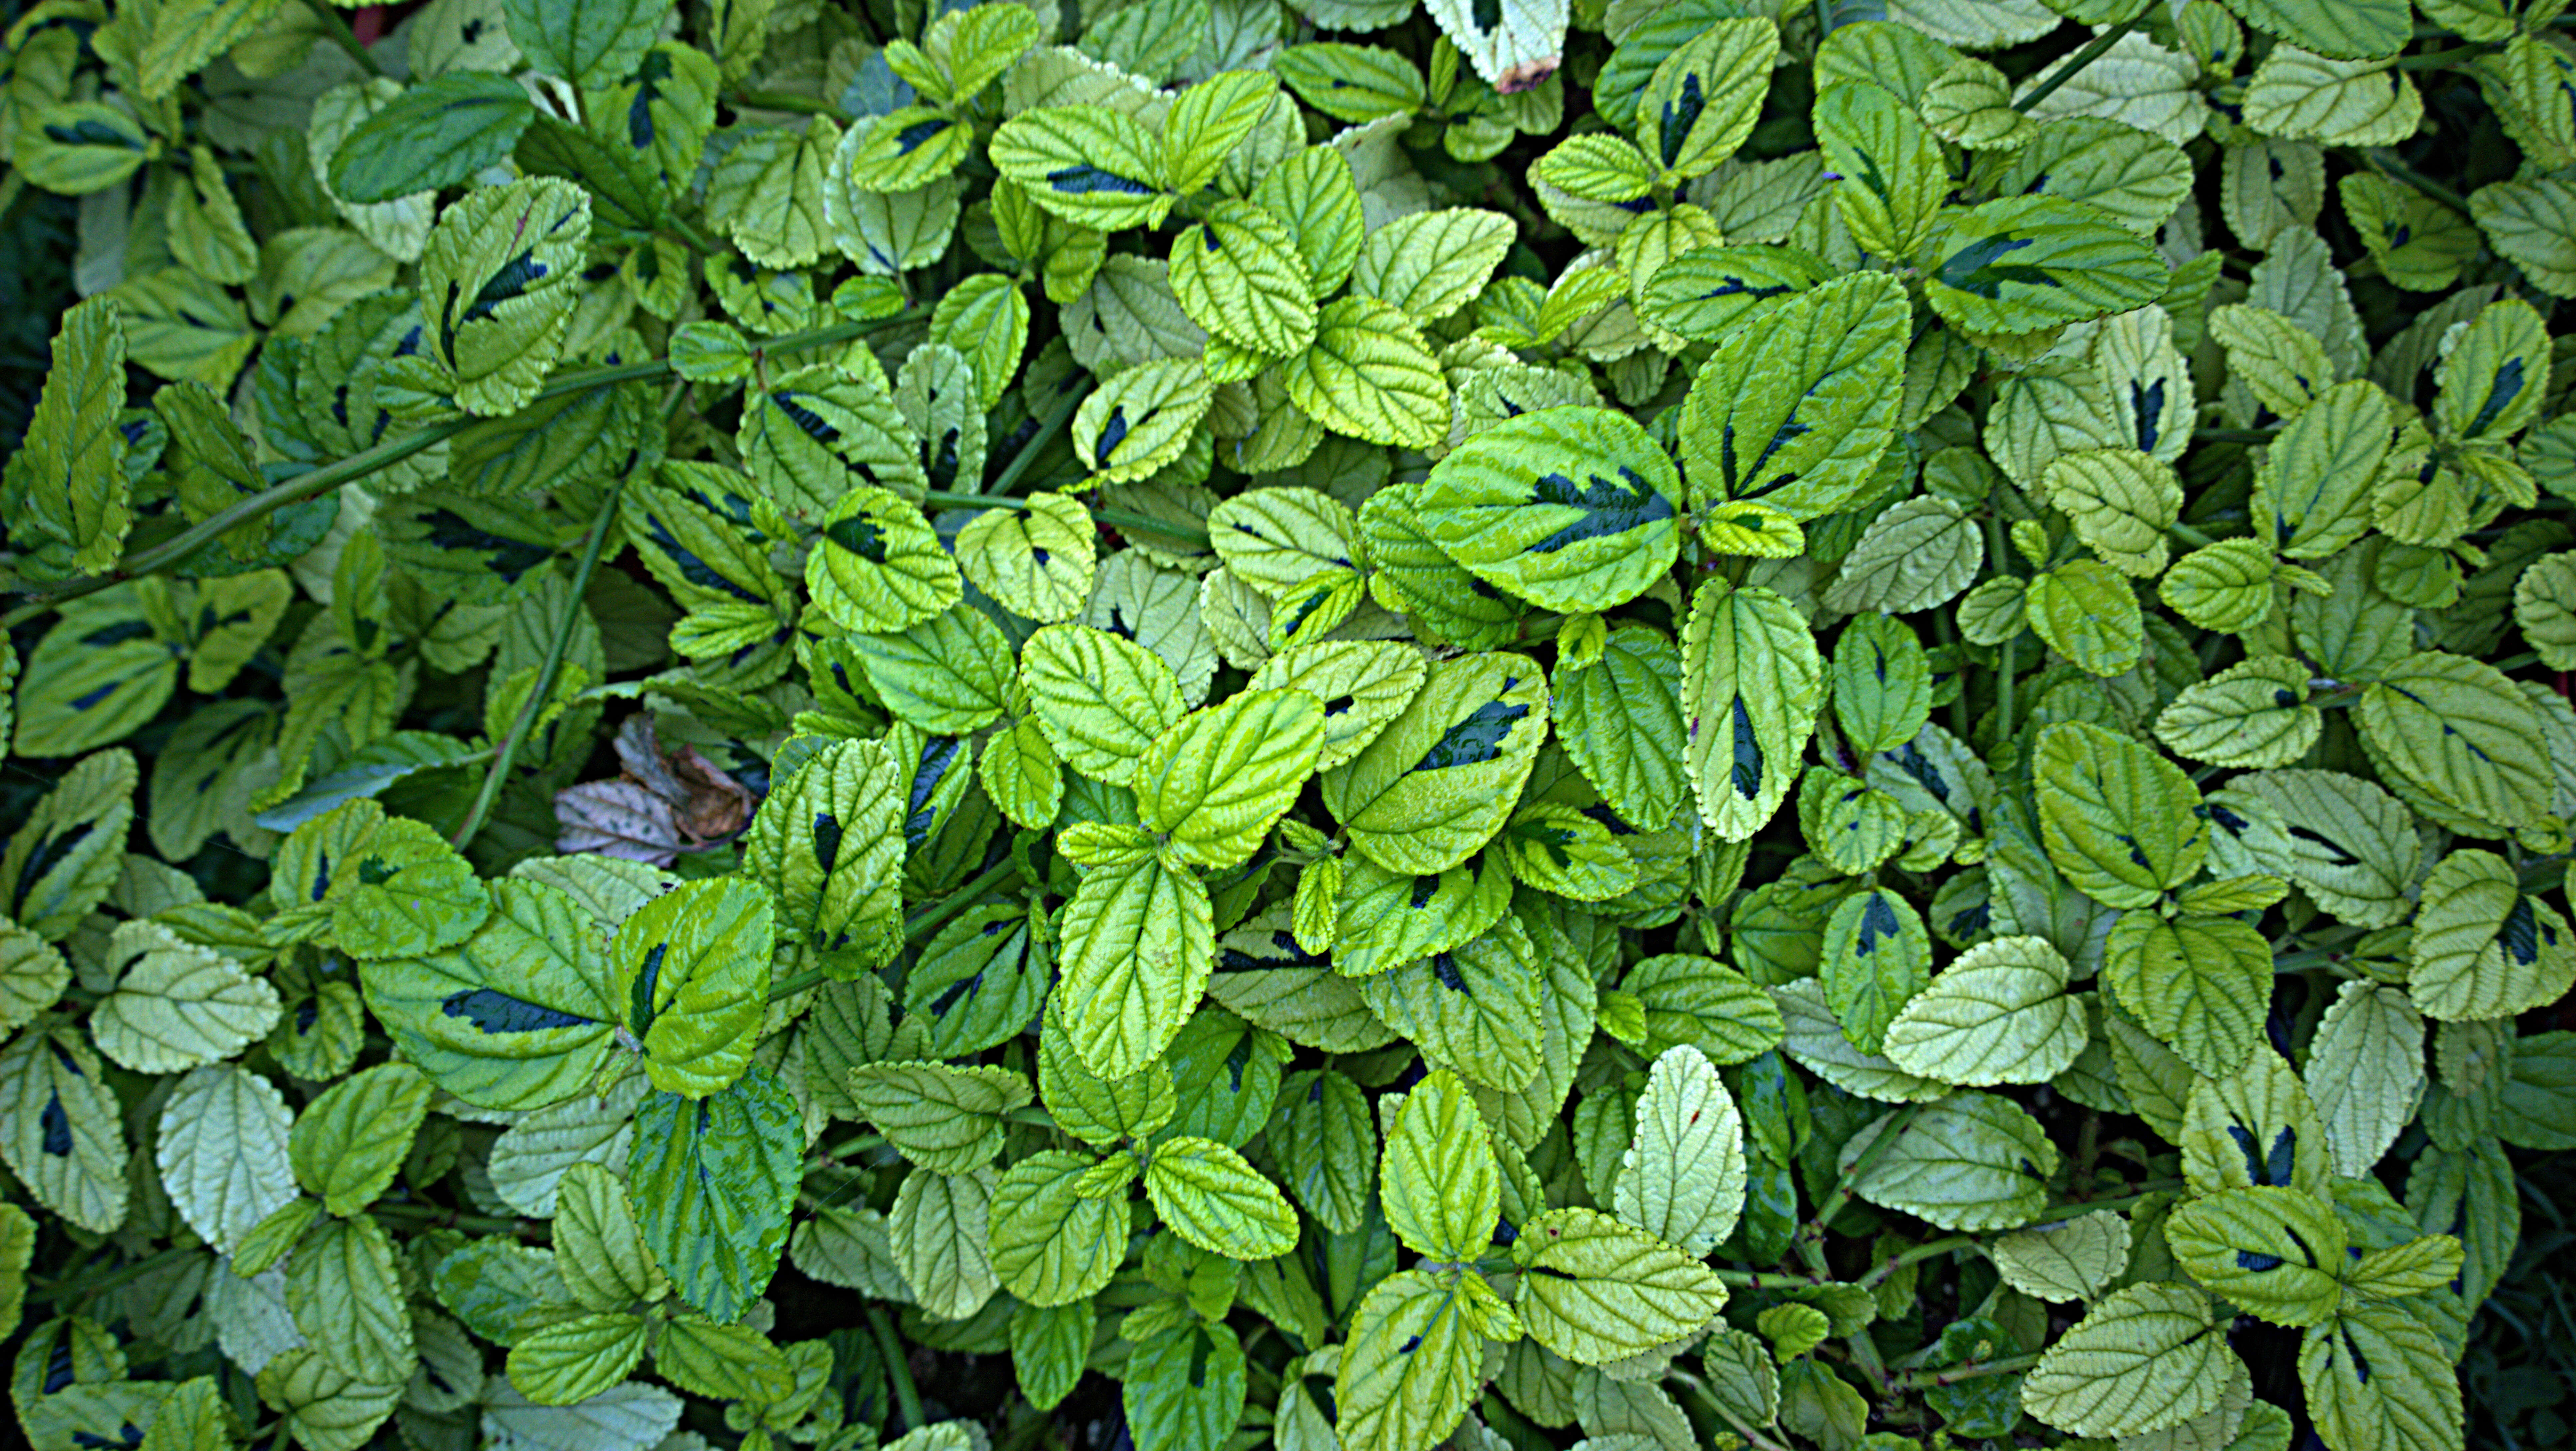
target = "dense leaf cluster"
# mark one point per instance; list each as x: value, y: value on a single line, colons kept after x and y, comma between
x: 1647, y: 723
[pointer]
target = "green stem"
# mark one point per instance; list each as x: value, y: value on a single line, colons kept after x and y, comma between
x: 782, y: 101
x: 335, y: 27
x: 1918, y: 1380
x: 1811, y: 1240
x: 431, y: 1214
x: 315, y: 482
x: 1114, y: 518
x: 2094, y: 50
x: 83, y: 1288
x: 543, y: 690
x: 2397, y: 170
x: 1929, y: 1249
x: 907, y: 1399
x: 1056, y: 417
x: 695, y: 240
x: 2234, y: 435
x: 918, y: 927
x: 1767, y: 1279
x: 2190, y: 536
x: 2434, y: 60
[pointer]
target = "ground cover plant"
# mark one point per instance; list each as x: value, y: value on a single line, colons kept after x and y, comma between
x: 1203, y: 722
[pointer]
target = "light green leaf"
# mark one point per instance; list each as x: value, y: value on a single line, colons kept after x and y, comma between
x: 2351, y: 845
x: 2142, y: 1359
x: 438, y: 133
x: 1798, y: 402
x: 2275, y: 1253
x: 347, y: 1299
x: 2076, y: 1259
x: 2200, y: 984
x: 570, y: 1361
x: 349, y: 1142
x: 1050, y: 1244
x: 1876, y: 956
x: 1569, y: 508
x: 599, y: 1248
x: 828, y: 844
x: 1595, y: 1290
x: 64, y: 1139
x: 1430, y: 264
x: 517, y: 1016
x: 2121, y: 822
x: 222, y: 1152
x: 593, y: 46
x: 1703, y: 99
x: 1138, y: 942
x: 1101, y: 699
x: 175, y: 1004
x: 2299, y: 94
x: 1091, y: 165
x: 2458, y: 731
x: 68, y: 478
x: 879, y: 567
x: 940, y: 1232
x: 946, y: 1119
x: 2087, y: 612
x: 497, y: 289
x: 692, y: 968
x: 1893, y: 176
x: 1370, y: 374
x: 1752, y: 680
x: 1437, y: 784
x: 2366, y: 1072
x: 2252, y: 714
x: 2026, y: 263
x: 1410, y: 1368
x: 1141, y: 419
x: 1440, y: 1185
x: 2408, y: 1397
x: 1216, y: 781
x: 1998, y: 1013
x: 1813, y: 1037
x: 1971, y: 1161
x: 1682, y: 1178
x: 2484, y: 949
x: 1209, y: 1196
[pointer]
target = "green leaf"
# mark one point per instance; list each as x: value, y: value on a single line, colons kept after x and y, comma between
x: 518, y: 1016
x: 1998, y: 1013
x: 1185, y: 1386
x: 1218, y: 779
x: 828, y: 844
x: 2087, y: 612
x: 438, y: 133
x: 2483, y: 949
x: 1352, y: 83
x: 1569, y: 508
x: 692, y: 970
x: 1050, y: 1244
x: 1139, y: 940
x: 1893, y: 178
x: 1752, y: 681
x: 2457, y: 730
x: 2201, y: 984
x: 496, y: 289
x: 2022, y: 264
x: 879, y: 567
x: 1370, y: 374
x: 2255, y: 713
x: 713, y: 1180
x: 2075, y: 1259
x: 1794, y: 408
x: 2142, y: 1359
x: 177, y: 1005
x: 2368, y: 29
x: 1101, y: 699
x: 1430, y: 264
x: 573, y: 1360
x: 1703, y: 99
x: 2366, y: 1072
x: 1876, y: 956
x: 350, y: 1141
x: 592, y: 46
x: 1209, y: 121
x: 1682, y: 1178
x: 1441, y: 1188
x: 939, y: 1229
x: 2275, y: 1253
x: 949, y: 675
x: 222, y: 1152
x: 68, y: 478
x: 1239, y: 275
x: 948, y: 1120
x: 2120, y: 822
x: 1971, y: 1161
x: 64, y: 1140
x: 722, y: 1362
x: 599, y: 1248
x: 1409, y: 1370
x: 1437, y: 784
x: 1092, y: 166
x: 347, y: 1299
x: 1594, y: 1290
x: 1210, y: 1197
x: 2408, y: 1396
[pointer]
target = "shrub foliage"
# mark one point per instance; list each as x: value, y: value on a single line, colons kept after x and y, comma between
x: 1657, y: 723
